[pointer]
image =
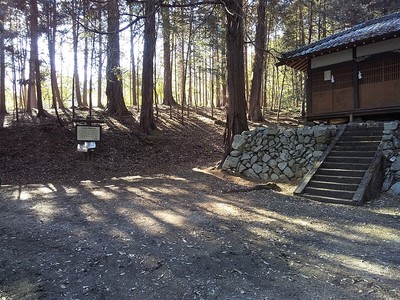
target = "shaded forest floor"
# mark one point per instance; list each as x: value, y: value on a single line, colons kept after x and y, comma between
x: 39, y: 150
x: 34, y: 150
x: 150, y: 218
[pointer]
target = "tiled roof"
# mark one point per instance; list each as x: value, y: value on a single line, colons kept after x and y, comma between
x: 386, y: 26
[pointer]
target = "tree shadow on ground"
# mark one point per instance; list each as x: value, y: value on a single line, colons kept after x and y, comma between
x: 179, y: 237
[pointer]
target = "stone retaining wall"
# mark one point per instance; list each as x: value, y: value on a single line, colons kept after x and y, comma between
x: 276, y: 153
x: 391, y: 151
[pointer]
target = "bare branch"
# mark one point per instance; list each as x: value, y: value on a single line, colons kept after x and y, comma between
x: 138, y: 17
x: 175, y: 4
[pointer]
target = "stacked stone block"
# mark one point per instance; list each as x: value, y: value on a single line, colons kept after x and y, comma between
x: 277, y: 153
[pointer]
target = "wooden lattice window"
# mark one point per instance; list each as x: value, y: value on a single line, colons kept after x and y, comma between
x: 391, y: 68
x: 319, y: 84
x: 343, y: 78
x: 385, y: 69
x: 371, y: 72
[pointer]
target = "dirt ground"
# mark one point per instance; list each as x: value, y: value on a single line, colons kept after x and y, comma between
x: 150, y: 218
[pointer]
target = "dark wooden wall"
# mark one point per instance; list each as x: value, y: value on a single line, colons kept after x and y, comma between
x: 377, y: 87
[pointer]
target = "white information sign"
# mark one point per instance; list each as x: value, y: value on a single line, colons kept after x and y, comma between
x: 327, y: 75
x: 87, y: 133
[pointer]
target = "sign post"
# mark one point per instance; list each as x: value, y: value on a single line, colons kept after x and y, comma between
x: 87, y: 135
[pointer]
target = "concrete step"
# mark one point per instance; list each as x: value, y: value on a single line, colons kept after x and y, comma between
x: 326, y: 192
x: 365, y: 128
x: 361, y: 138
x: 359, y: 142
x: 340, y: 172
x: 337, y: 179
x: 344, y: 159
x: 328, y: 199
x: 352, y: 146
x: 345, y: 166
x: 333, y: 185
x: 365, y: 132
x: 339, y: 176
x: 352, y: 153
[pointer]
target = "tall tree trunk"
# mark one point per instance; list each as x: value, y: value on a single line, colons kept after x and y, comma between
x: 255, y: 113
x: 168, y: 98
x: 301, y: 26
x: 310, y: 21
x: 185, y: 57
x: 61, y: 78
x: 246, y: 66
x: 51, y: 31
x: 31, y: 97
x: 85, y: 64
x: 3, y: 109
x: 195, y: 89
x: 190, y: 99
x: 324, y: 25
x: 199, y: 88
x: 51, y: 38
x: 100, y: 67
x: 224, y: 79
x: 92, y: 64
x: 147, y: 123
x: 115, y: 97
x: 133, y: 65
x: 175, y: 63
x: 183, y: 68
x: 22, y: 58
x: 138, y: 92
x: 14, y: 72
x: 205, y: 81
x: 34, y: 56
x: 273, y: 88
x: 218, y: 80
x: 212, y: 81
x: 41, y: 112
x: 236, y: 121
x: 267, y: 69
x: 75, y: 35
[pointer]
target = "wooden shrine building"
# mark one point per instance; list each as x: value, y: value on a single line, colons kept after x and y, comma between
x: 353, y: 73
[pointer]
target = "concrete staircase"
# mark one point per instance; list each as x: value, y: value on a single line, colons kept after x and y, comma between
x: 350, y: 171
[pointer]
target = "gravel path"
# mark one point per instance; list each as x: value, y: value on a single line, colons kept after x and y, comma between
x: 179, y: 236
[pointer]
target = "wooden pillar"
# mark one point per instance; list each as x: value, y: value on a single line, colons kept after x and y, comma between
x: 309, y: 89
x: 356, y: 89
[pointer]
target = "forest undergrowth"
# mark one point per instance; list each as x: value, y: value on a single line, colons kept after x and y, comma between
x: 36, y: 150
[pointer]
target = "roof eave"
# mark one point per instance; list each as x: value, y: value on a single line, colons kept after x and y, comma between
x: 301, y: 61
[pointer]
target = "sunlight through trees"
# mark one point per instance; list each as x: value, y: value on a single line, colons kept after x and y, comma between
x: 56, y: 53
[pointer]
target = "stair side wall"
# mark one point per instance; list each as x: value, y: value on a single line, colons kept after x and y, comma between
x: 371, y: 183
x: 391, y: 154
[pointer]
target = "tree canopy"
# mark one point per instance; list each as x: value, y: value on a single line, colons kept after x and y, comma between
x: 57, y: 53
